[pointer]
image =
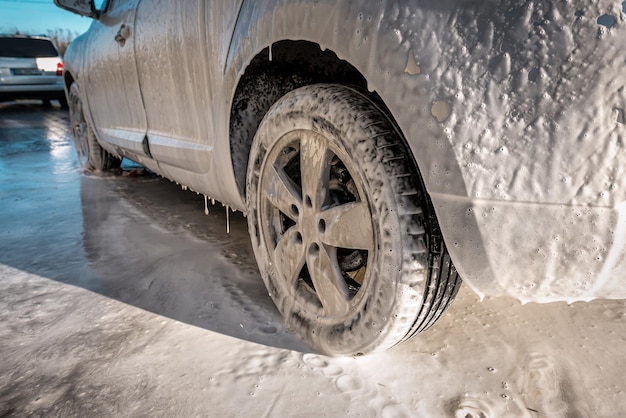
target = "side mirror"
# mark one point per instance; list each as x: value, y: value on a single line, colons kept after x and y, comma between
x: 85, y: 8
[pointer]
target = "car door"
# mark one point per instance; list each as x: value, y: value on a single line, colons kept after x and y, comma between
x: 180, y: 59
x: 113, y: 85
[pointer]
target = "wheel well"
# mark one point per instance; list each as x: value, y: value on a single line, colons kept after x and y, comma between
x: 269, y: 76
x: 68, y: 80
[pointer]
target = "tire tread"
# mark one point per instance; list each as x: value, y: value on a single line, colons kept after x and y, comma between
x: 425, y: 281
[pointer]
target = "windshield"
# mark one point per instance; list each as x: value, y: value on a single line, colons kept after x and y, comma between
x: 27, y: 48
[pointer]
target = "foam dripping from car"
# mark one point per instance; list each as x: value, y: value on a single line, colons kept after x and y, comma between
x: 227, y: 220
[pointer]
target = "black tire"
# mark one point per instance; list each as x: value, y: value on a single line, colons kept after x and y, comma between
x: 343, y: 232
x: 91, y: 155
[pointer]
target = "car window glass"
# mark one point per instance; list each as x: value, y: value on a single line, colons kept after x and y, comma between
x: 26, y: 48
x: 100, y: 4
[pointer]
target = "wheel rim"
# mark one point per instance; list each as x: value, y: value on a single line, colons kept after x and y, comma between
x: 317, y: 223
x: 79, y: 129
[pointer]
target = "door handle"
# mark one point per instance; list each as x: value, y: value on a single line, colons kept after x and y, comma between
x: 122, y: 34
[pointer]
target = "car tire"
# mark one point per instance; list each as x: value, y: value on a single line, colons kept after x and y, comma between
x: 91, y: 156
x: 342, y: 229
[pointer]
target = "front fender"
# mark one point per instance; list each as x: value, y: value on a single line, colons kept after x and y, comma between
x: 500, y: 101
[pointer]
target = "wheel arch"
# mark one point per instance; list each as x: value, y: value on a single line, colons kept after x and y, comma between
x: 273, y: 72
x: 356, y: 39
x: 68, y: 79
x: 359, y: 39
x: 285, y: 66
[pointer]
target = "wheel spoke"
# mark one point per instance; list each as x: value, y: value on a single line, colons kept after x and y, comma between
x: 283, y: 193
x: 348, y: 226
x: 315, y: 165
x: 289, y: 255
x: 328, y: 280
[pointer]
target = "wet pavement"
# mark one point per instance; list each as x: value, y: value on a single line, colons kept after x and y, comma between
x: 120, y: 297
x: 41, y: 188
x: 130, y: 235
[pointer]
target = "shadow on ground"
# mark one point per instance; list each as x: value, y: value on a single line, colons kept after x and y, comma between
x: 139, y: 239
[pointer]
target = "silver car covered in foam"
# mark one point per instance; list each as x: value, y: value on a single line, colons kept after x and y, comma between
x: 507, y: 117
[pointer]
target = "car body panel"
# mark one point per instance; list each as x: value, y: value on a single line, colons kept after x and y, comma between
x: 474, y: 85
x: 114, y: 84
x: 185, y: 60
x: 514, y: 112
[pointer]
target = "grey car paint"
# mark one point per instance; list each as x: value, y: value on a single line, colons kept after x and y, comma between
x: 513, y: 111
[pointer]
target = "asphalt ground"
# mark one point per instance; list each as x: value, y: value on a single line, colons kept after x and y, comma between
x: 120, y: 297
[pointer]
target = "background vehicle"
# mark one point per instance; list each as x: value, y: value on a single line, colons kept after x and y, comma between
x: 373, y: 144
x: 30, y: 68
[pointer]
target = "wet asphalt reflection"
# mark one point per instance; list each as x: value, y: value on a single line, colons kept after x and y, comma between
x: 139, y: 239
